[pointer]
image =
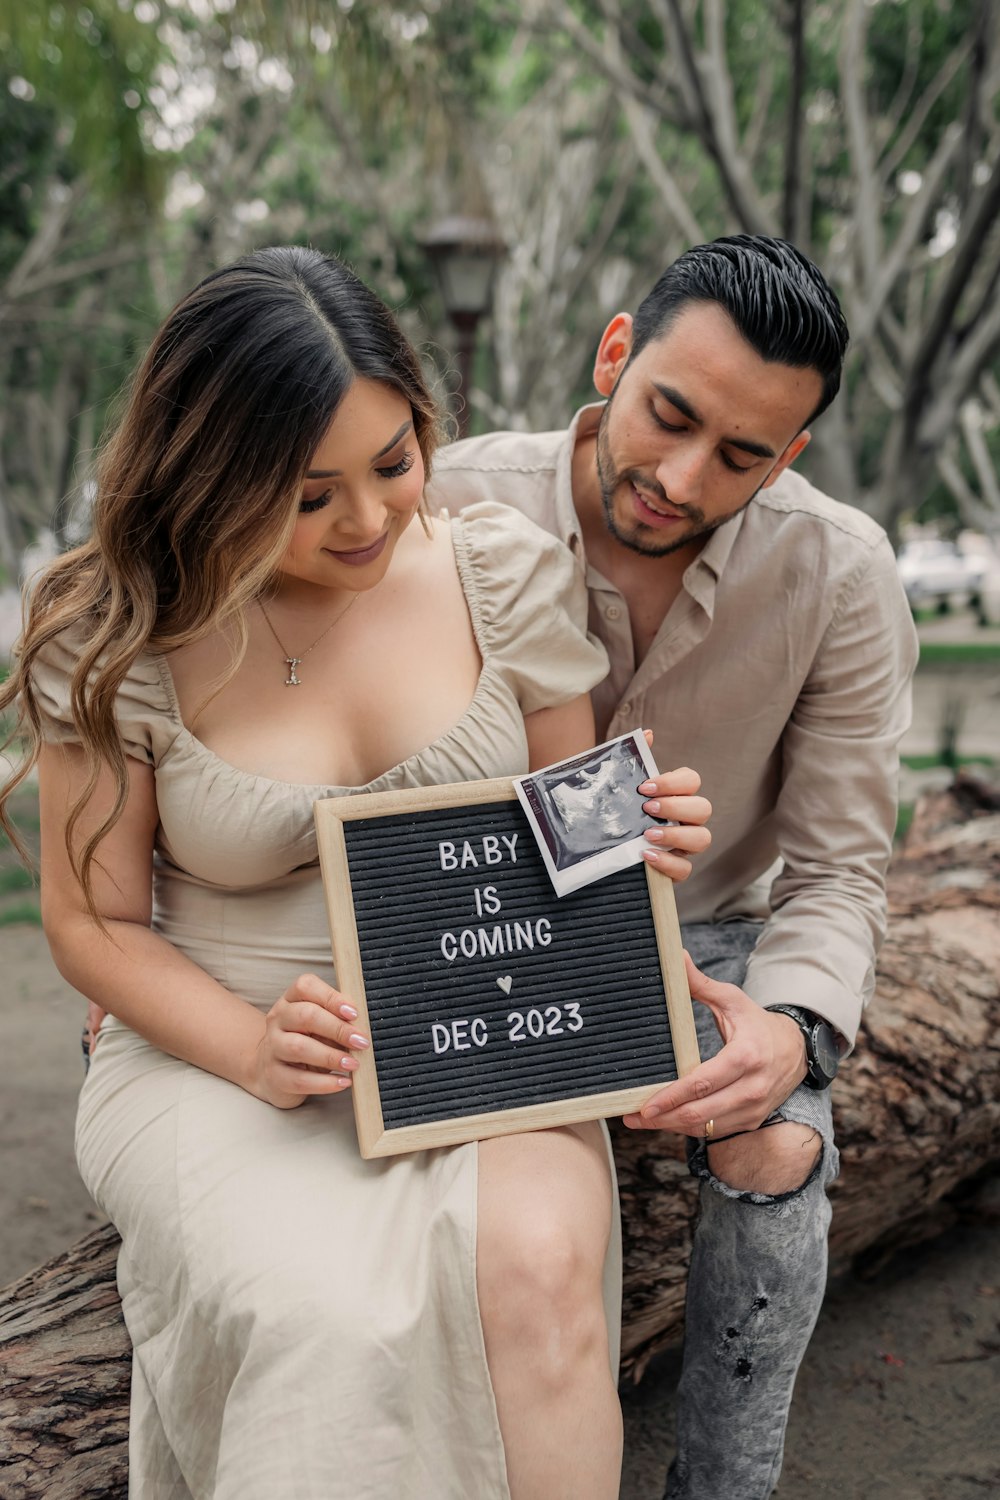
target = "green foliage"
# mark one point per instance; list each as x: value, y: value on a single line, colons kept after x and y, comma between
x: 27, y: 912
x: 89, y: 67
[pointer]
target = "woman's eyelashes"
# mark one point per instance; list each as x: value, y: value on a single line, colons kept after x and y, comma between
x: 393, y: 471
x: 306, y: 507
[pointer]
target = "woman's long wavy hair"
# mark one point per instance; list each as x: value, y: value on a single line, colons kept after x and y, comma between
x: 198, y: 488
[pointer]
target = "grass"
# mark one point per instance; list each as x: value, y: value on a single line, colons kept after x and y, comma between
x: 930, y: 762
x: 15, y: 878
x: 904, y: 818
x: 957, y: 653
x: 21, y: 911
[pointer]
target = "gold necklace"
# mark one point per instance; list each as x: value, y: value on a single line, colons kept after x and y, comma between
x: 291, y: 662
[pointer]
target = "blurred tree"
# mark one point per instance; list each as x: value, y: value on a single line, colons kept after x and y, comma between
x: 144, y: 141
x: 867, y: 132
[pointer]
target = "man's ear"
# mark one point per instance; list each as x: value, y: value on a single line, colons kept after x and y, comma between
x: 613, y: 352
x: 789, y: 456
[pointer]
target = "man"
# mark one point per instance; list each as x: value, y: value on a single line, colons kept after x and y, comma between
x: 759, y: 629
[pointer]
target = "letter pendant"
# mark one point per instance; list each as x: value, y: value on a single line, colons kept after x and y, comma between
x: 291, y: 680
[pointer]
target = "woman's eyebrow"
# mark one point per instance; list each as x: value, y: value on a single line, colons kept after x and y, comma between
x: 333, y: 473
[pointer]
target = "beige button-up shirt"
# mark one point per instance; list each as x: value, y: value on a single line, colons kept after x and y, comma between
x: 781, y: 673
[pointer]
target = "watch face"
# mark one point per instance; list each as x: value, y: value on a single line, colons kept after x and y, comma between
x: 826, y: 1051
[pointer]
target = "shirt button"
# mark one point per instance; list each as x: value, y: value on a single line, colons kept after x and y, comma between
x: 613, y: 612
x: 625, y: 708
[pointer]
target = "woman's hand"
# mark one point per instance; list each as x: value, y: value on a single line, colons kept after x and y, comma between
x: 308, y: 1047
x: 672, y: 796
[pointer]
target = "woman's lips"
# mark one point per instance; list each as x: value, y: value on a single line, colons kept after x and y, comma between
x: 359, y: 556
x: 654, y: 517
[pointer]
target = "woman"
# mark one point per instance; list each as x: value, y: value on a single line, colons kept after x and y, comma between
x: 257, y: 622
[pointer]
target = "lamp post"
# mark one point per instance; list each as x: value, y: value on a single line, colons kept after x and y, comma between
x: 464, y: 252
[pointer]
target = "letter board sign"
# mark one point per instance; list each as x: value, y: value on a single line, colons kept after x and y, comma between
x: 493, y: 1005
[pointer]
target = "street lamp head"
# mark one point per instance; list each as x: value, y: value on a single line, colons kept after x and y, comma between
x: 465, y: 252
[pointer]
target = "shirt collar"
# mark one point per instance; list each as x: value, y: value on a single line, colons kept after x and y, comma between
x: 584, y: 423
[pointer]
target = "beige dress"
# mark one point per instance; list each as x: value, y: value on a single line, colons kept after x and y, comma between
x: 305, y: 1323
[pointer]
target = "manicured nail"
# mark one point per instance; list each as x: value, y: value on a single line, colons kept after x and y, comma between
x: 646, y: 788
x: 656, y: 835
x: 651, y: 854
x: 349, y: 1062
x: 358, y: 1041
x: 348, y: 1012
x: 652, y: 808
x: 343, y: 1083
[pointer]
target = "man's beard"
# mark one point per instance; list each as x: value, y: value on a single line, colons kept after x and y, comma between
x: 611, y: 480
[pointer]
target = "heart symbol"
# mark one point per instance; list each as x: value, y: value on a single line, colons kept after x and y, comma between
x: 505, y: 983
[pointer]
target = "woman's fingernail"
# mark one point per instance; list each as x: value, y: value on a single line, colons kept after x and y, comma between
x: 651, y: 854
x: 652, y: 808
x: 343, y: 1083
x: 348, y: 1012
x: 646, y: 787
x: 358, y: 1041
x: 349, y: 1062
x: 655, y: 835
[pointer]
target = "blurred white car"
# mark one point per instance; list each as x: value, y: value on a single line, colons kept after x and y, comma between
x: 932, y: 570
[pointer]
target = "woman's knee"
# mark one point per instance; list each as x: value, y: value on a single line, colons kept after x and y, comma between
x: 544, y: 1224
x: 540, y: 1292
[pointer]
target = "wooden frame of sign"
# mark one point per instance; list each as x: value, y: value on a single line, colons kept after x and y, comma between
x: 492, y: 1005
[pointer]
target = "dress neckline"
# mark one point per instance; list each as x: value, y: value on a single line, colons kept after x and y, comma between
x: 469, y: 589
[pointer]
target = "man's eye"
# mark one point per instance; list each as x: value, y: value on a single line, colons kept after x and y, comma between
x: 666, y: 426
x: 736, y: 468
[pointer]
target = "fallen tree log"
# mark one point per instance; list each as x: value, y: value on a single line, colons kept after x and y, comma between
x: 916, y: 1106
x: 917, y: 1111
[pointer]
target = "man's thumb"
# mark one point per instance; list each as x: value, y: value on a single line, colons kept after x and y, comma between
x: 709, y: 991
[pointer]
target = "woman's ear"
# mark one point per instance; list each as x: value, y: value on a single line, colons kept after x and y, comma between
x: 612, y: 353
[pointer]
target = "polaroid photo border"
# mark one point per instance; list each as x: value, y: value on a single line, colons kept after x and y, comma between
x: 563, y: 803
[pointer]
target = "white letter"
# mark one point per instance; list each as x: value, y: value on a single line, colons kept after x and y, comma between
x: 446, y: 854
x: 479, y: 1033
x: 492, y: 945
x: 440, y: 1037
x: 543, y: 941
x: 459, y: 1028
x: 491, y: 849
x: 491, y: 900
x: 510, y: 842
x: 469, y: 855
x: 523, y: 935
x: 467, y: 942
x: 449, y: 948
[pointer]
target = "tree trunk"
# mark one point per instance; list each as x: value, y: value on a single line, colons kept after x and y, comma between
x: 917, y: 1111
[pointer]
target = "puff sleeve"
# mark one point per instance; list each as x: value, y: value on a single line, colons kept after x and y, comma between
x: 528, y: 599
x: 142, y: 705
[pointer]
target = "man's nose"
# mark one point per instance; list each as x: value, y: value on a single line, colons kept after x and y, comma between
x: 682, y: 474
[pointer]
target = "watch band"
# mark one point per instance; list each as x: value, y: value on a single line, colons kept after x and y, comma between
x: 822, y: 1052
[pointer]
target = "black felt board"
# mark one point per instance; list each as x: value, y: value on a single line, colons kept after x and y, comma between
x: 602, y: 957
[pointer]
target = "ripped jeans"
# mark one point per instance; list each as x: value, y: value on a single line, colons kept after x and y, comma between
x: 755, y: 1285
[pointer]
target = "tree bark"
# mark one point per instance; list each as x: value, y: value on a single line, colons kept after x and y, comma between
x: 917, y: 1112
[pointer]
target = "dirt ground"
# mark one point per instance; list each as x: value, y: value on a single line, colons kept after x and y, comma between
x: 899, y: 1393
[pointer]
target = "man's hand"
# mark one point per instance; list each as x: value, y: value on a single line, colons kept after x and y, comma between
x: 762, y: 1061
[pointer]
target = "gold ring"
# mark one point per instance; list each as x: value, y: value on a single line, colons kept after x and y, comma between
x: 709, y: 1129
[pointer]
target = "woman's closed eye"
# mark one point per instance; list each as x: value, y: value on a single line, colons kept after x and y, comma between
x: 400, y: 467
x: 392, y: 471
x: 306, y: 507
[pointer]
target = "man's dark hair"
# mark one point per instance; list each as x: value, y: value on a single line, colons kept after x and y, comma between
x: 776, y: 298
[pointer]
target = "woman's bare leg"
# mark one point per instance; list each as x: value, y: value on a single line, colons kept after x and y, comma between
x: 544, y: 1222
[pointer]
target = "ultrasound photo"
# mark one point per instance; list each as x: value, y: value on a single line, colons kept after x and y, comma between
x: 586, y: 813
